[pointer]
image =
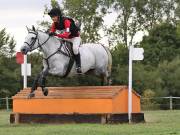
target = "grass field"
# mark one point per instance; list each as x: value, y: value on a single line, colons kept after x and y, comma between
x: 157, y: 123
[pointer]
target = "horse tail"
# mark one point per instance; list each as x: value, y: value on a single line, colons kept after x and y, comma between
x: 109, y: 67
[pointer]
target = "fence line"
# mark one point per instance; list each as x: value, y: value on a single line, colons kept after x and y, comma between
x: 6, y: 103
x: 161, y: 97
x: 161, y: 103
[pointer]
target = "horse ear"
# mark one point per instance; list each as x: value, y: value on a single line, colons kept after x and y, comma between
x: 33, y: 28
x: 27, y: 28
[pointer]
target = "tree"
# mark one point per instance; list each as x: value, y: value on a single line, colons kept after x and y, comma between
x: 120, y: 65
x: 145, y: 77
x: 161, y: 44
x: 147, y: 102
x: 170, y: 74
x: 7, y: 44
x: 90, y: 14
x: 138, y: 16
x: 8, y: 68
x: 177, y: 10
x: 10, y: 76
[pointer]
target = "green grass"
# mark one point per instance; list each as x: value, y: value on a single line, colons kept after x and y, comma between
x: 157, y: 123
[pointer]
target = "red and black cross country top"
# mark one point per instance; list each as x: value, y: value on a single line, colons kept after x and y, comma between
x: 65, y: 24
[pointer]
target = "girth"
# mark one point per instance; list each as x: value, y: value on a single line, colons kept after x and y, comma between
x: 67, y: 46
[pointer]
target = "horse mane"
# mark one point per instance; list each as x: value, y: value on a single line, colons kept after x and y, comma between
x: 47, y: 33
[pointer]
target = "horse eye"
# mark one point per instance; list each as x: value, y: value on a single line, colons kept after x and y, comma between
x: 33, y: 38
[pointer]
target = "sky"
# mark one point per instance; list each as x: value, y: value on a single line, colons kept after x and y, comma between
x: 15, y: 15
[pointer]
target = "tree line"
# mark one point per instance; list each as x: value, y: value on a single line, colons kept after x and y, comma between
x: 158, y: 73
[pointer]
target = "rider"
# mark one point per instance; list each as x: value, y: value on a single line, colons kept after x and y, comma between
x: 70, y: 32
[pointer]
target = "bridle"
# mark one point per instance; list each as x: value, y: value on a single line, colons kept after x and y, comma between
x: 34, y: 41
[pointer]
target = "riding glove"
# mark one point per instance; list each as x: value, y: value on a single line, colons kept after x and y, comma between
x: 52, y: 34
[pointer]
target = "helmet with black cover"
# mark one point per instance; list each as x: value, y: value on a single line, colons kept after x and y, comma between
x: 55, y: 12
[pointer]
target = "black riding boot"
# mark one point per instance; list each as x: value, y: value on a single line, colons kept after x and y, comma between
x: 78, y: 63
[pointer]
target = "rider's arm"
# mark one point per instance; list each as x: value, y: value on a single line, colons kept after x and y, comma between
x: 67, y: 32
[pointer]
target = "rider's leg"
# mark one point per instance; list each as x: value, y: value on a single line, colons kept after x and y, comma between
x: 76, y: 43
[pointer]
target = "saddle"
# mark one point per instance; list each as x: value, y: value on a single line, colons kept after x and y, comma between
x: 67, y: 51
x: 67, y: 47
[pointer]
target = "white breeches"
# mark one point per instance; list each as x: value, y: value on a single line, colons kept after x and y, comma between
x: 76, y: 43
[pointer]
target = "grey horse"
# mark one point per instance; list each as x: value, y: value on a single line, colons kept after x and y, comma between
x: 58, y: 58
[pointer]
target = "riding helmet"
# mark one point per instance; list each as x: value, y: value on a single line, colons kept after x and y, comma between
x: 54, y: 12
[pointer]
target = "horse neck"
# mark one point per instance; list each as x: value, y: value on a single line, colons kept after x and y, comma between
x: 50, y: 46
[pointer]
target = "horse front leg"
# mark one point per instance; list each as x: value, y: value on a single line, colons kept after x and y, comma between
x: 34, y: 86
x: 43, y: 82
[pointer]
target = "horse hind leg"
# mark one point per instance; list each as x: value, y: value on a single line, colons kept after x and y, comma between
x: 104, y: 80
x: 108, y: 75
x: 109, y: 80
x: 43, y: 82
x: 43, y: 86
x: 109, y: 68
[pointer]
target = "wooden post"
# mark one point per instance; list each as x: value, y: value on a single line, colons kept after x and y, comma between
x: 170, y: 103
x: 16, y: 117
x: 103, y: 119
x: 7, y: 104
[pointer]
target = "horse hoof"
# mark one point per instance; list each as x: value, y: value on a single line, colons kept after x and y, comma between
x: 110, y: 82
x: 45, y: 91
x: 31, y: 95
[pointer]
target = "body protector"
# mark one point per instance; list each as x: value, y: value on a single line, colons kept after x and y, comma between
x: 73, y: 28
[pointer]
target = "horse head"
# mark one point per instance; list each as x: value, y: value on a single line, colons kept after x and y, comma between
x: 31, y: 41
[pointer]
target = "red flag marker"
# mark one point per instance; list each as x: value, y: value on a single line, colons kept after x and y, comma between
x: 19, y: 58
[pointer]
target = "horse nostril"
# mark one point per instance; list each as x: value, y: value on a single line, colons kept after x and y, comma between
x: 23, y: 50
